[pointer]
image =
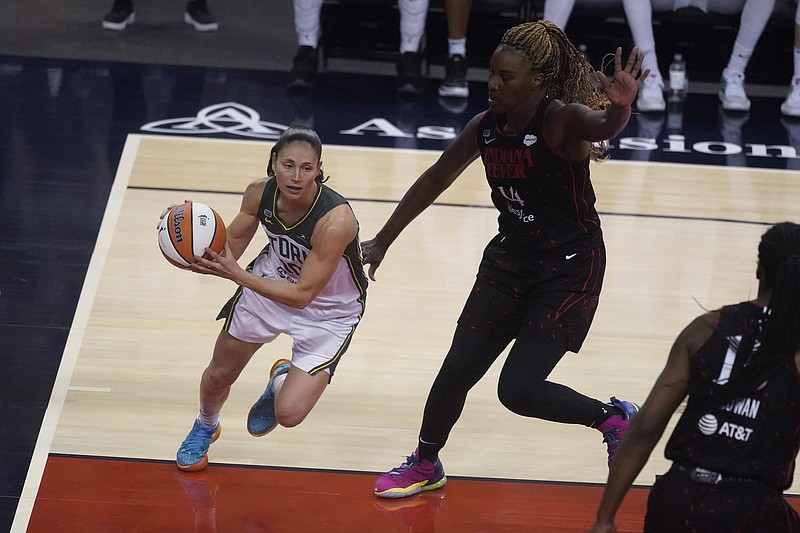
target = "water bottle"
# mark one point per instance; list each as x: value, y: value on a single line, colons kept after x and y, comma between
x: 678, y: 82
x: 584, y: 50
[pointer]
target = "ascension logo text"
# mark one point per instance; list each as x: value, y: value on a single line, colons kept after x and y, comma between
x: 238, y: 119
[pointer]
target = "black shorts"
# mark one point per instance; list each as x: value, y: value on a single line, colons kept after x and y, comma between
x: 677, y: 503
x: 554, y: 291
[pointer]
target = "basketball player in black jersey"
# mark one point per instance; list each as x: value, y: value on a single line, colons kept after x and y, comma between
x: 539, y: 280
x: 734, y: 447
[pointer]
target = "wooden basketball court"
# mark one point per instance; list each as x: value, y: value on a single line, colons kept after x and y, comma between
x: 127, y: 389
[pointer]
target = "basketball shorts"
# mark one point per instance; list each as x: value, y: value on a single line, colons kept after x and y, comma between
x: 317, y: 344
x: 555, y: 291
x: 677, y: 503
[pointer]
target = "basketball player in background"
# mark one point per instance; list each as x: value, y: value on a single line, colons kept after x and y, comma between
x: 539, y: 281
x: 734, y: 447
x: 307, y: 283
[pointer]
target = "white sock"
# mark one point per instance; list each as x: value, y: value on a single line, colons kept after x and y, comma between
x: 306, y: 21
x: 276, y: 383
x: 558, y: 11
x: 412, y: 24
x: 796, y: 55
x: 457, y: 47
x: 640, y: 22
x: 208, y: 420
x: 755, y: 16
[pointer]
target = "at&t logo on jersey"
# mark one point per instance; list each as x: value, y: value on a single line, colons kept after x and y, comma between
x: 744, y: 407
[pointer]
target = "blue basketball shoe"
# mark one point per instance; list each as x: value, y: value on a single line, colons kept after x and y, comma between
x: 261, y: 419
x: 193, y: 453
x: 614, y: 428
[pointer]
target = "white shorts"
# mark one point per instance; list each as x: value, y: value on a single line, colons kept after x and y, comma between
x: 317, y: 344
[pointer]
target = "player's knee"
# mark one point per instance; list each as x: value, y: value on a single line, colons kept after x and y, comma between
x: 219, y: 376
x: 518, y: 395
x: 290, y: 418
x: 511, y: 397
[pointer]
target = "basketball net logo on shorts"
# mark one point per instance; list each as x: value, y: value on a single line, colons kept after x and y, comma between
x: 228, y: 117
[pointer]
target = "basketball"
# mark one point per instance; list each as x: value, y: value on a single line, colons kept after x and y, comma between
x: 187, y: 230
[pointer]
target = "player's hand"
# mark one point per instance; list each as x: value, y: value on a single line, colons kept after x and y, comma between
x: 622, y: 88
x: 605, y: 527
x: 222, y: 265
x: 373, y: 253
x: 167, y: 210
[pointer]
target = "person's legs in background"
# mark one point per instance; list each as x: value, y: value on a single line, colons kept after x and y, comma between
x: 455, y: 81
x: 754, y: 18
x: 640, y: 22
x: 791, y: 106
x: 306, y: 62
x: 413, y: 14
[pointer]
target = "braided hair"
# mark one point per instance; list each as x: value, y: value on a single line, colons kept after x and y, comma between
x: 778, y: 340
x: 298, y: 133
x: 569, y: 77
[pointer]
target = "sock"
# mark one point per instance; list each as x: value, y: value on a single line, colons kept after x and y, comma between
x: 604, y: 411
x: 558, y: 12
x: 457, y: 47
x: 208, y: 420
x: 412, y: 24
x: 755, y: 16
x: 306, y: 21
x: 640, y: 22
x: 276, y: 383
x: 796, y: 65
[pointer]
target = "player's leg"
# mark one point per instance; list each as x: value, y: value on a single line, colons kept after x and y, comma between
x: 640, y: 22
x: 471, y: 354
x: 754, y: 18
x: 297, y: 395
x: 413, y: 14
x: 295, y: 386
x: 791, y: 106
x: 523, y: 388
x: 307, y: 26
x: 558, y: 11
x: 455, y: 81
x: 229, y: 359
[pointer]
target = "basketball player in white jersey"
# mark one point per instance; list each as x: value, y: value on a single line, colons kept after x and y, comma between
x: 309, y: 275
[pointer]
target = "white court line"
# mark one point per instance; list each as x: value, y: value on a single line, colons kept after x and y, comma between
x: 90, y: 389
x: 75, y: 339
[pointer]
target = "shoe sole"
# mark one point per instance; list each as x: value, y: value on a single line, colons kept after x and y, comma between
x: 651, y: 109
x: 728, y: 106
x: 790, y: 111
x: 454, y: 92
x: 202, y: 464
x: 191, y: 21
x: 119, y: 26
x: 410, y: 491
x: 275, y: 366
x: 409, y: 89
x: 300, y: 84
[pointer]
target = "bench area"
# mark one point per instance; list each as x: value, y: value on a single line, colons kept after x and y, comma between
x: 369, y: 30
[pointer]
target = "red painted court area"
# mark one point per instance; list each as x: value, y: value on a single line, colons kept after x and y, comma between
x: 99, y: 495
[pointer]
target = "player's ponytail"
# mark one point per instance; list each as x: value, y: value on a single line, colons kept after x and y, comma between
x: 777, y: 340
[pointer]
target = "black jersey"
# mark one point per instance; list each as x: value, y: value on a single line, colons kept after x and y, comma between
x: 544, y: 200
x: 754, y: 436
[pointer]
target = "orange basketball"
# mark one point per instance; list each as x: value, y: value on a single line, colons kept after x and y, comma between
x: 187, y: 230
